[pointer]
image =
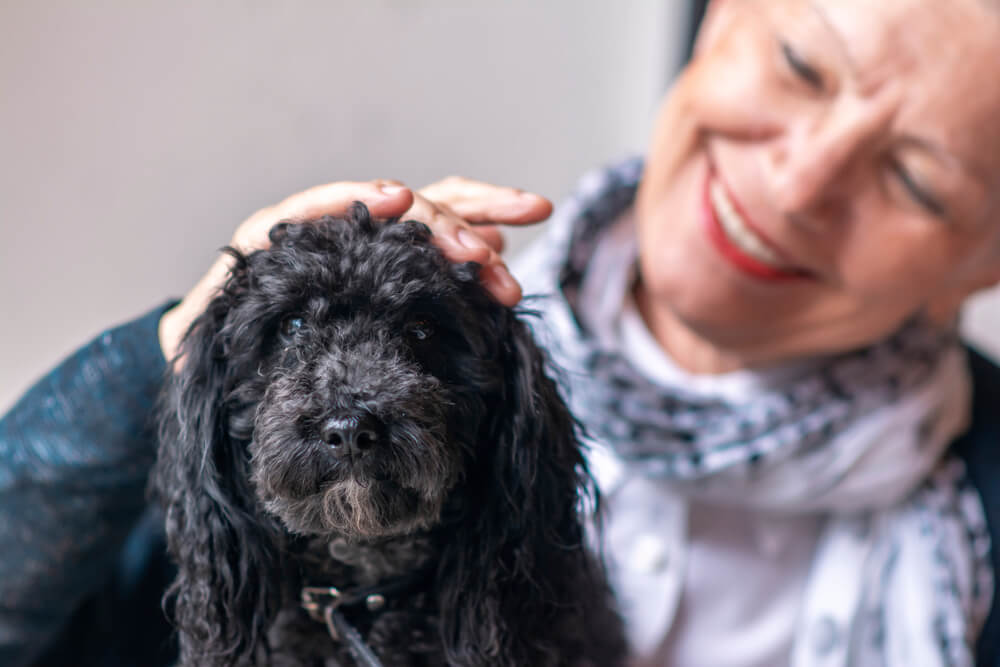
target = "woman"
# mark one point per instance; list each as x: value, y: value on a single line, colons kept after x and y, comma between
x: 758, y: 327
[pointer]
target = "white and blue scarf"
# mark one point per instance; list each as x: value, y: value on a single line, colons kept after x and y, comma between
x: 860, y: 438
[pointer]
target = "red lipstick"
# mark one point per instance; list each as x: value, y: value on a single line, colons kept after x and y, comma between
x: 736, y: 256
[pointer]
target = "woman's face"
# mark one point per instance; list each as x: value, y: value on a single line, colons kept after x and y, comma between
x: 843, y: 173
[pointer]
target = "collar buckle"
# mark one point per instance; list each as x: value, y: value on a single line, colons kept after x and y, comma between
x: 316, y: 599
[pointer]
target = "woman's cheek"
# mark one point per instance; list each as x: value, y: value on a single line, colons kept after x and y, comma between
x: 736, y: 88
x: 890, y: 263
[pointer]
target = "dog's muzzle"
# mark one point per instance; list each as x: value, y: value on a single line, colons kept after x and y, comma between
x: 352, y: 434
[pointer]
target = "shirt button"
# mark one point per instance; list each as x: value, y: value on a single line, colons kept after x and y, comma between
x: 649, y: 554
x: 826, y: 636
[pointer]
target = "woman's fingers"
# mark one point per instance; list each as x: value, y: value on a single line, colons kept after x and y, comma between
x: 483, y: 203
x: 461, y: 242
x: 461, y: 208
x: 447, y: 207
x: 384, y: 198
x: 492, y: 235
x: 487, y: 232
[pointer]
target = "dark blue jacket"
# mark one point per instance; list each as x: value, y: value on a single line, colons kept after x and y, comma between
x: 82, y: 561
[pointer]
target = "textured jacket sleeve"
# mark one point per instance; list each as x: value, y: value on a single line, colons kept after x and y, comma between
x: 75, y: 453
x: 980, y: 448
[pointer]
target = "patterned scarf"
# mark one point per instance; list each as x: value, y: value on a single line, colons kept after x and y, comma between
x: 860, y: 437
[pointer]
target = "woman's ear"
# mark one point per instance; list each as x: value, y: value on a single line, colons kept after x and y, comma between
x: 944, y: 308
x: 522, y: 562
x: 228, y: 558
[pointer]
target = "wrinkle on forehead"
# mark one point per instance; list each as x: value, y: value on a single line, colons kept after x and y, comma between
x: 890, y: 39
x: 939, y: 58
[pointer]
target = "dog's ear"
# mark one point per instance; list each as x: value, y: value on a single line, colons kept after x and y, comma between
x: 227, y: 554
x: 522, y: 567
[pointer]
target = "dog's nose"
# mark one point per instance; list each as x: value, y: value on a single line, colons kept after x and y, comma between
x: 354, y: 432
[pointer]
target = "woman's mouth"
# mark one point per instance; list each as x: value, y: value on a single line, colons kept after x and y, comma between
x: 736, y: 239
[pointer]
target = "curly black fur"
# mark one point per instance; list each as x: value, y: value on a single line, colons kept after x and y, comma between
x: 352, y: 407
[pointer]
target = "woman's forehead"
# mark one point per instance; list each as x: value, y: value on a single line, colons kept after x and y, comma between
x: 939, y: 58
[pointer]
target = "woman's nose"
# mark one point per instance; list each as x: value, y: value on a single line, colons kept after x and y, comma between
x: 813, y: 166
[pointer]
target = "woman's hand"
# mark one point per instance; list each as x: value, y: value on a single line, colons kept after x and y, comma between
x: 464, y: 214
x: 461, y: 213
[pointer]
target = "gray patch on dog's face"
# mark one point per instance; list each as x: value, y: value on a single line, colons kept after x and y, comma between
x: 398, y: 483
x: 361, y: 366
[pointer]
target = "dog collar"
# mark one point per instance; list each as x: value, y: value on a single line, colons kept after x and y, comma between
x: 324, y: 604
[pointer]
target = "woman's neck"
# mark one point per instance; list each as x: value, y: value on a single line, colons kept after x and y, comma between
x: 686, y: 348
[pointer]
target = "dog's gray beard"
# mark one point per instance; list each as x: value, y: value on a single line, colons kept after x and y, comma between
x: 313, y: 493
x: 357, y: 511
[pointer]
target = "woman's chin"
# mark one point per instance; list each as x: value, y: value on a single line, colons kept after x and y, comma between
x: 709, y: 325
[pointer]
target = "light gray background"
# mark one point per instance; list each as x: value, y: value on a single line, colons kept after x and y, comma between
x: 135, y: 136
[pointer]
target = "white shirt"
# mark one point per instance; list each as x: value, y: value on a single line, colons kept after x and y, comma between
x: 760, y: 577
x: 698, y: 584
x: 735, y: 596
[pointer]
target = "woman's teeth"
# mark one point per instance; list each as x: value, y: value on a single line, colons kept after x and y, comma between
x: 737, y: 230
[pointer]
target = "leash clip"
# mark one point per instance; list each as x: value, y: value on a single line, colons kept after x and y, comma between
x: 322, y: 602
x: 317, y: 599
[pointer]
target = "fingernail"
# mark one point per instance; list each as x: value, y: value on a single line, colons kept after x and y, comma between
x: 390, y: 190
x: 470, y: 240
x: 502, y: 277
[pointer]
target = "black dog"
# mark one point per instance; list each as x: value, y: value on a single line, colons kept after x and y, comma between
x: 355, y: 411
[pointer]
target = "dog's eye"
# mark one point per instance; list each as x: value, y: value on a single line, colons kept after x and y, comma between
x: 291, y: 325
x: 420, y: 330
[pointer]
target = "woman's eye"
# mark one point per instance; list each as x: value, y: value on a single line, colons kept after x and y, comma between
x: 420, y: 330
x: 916, y: 191
x: 800, y: 67
x: 291, y: 325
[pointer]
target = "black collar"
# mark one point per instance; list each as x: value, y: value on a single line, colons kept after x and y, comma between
x: 324, y: 604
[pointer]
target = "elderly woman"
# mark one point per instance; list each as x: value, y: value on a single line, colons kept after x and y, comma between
x: 758, y: 328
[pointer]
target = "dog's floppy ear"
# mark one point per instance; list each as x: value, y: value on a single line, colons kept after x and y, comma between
x: 521, y: 565
x: 225, y: 592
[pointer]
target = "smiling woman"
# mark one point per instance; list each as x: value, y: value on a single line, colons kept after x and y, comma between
x: 856, y: 143
x: 759, y: 319
x: 757, y: 323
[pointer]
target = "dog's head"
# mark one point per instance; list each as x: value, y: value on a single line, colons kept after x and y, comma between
x: 350, y: 380
x: 357, y: 367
